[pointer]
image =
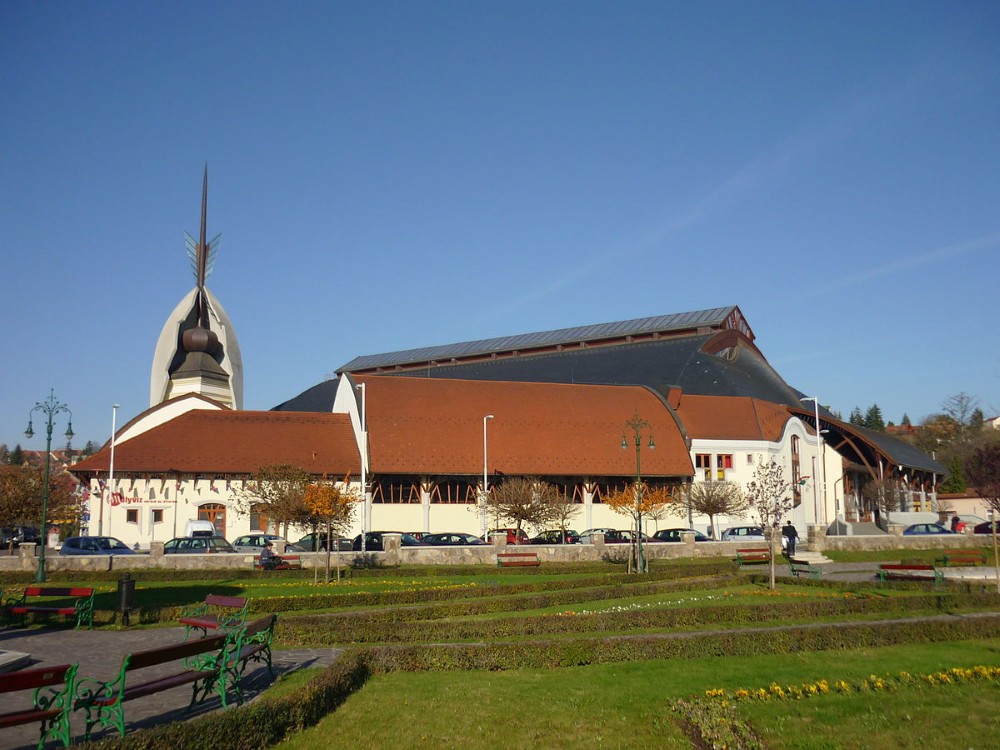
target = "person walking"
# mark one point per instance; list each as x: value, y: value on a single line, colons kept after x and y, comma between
x: 788, y: 531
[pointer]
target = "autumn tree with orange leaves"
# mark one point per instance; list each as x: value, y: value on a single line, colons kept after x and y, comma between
x: 334, y: 506
x: 636, y: 500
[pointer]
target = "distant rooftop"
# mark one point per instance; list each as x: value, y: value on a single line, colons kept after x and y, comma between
x: 625, y: 331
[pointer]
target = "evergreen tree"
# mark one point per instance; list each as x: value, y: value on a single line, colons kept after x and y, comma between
x: 16, y: 457
x: 873, y: 419
x: 977, y: 419
x: 90, y: 448
x: 4, y: 454
x: 906, y: 420
x: 956, y: 477
x: 857, y: 418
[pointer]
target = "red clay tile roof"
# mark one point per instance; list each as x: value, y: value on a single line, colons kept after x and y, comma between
x: 731, y: 418
x: 208, y: 441
x: 435, y: 426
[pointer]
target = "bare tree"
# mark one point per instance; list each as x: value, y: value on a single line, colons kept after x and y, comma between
x: 526, y: 500
x: 710, y: 499
x: 887, y: 494
x: 769, y: 498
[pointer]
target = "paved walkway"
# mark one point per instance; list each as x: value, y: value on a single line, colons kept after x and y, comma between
x: 100, y: 655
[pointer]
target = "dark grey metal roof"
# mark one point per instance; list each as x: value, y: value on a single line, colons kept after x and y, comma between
x: 660, y: 324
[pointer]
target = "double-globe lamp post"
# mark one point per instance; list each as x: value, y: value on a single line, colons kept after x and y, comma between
x: 50, y: 407
x: 637, y: 424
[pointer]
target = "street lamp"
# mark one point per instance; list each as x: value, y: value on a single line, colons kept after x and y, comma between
x: 486, y: 488
x: 819, y: 455
x: 637, y: 424
x: 111, y: 474
x: 366, y: 498
x: 50, y: 407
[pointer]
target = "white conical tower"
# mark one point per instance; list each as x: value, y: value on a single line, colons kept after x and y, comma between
x: 197, y: 351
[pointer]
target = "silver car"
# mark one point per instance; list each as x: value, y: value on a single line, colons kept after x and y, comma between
x: 255, y: 542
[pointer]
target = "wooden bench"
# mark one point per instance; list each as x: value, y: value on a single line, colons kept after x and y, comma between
x: 50, y: 704
x: 288, y: 562
x: 71, y: 602
x: 889, y: 572
x: 801, y: 567
x: 222, y: 613
x: 199, y: 664
x: 960, y: 557
x: 518, y: 560
x: 753, y: 556
x: 250, y: 644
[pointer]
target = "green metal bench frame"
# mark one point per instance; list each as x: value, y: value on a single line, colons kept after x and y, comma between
x: 50, y: 703
x: 77, y: 602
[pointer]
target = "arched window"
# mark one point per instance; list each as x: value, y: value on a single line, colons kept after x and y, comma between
x: 216, y: 513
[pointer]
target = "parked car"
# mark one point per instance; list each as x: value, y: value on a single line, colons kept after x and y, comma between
x: 557, y: 536
x: 674, y: 535
x: 17, y: 535
x: 514, y: 536
x: 316, y: 542
x: 611, y: 536
x: 374, y: 541
x: 197, y: 545
x: 985, y: 528
x: 254, y: 542
x: 587, y: 536
x: 451, y: 539
x: 95, y: 545
x: 748, y: 534
x: 646, y: 538
x: 923, y: 529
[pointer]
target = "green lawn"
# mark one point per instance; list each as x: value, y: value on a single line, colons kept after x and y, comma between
x: 626, y: 705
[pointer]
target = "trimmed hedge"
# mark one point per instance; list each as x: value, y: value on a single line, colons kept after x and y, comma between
x: 313, y: 630
x: 776, y: 640
x: 256, y: 725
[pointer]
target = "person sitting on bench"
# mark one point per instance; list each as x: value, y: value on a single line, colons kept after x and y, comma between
x: 269, y: 560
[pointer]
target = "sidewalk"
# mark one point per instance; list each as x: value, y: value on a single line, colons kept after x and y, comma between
x: 100, y: 654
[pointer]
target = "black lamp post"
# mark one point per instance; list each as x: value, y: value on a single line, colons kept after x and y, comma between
x: 50, y: 407
x: 638, y: 424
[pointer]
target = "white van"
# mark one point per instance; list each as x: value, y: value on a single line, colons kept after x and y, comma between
x: 199, y: 528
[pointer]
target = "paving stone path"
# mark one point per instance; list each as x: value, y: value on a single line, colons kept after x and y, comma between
x: 100, y: 654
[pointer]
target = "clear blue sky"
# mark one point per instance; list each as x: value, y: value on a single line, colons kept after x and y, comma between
x: 389, y: 175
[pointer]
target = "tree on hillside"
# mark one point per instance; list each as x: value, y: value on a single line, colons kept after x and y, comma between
x: 873, y: 419
x: 983, y: 470
x: 277, y: 490
x: 960, y: 408
x: 710, y: 499
x: 955, y: 481
x: 524, y: 501
x: 21, y: 492
x: 333, y: 506
x: 770, y: 499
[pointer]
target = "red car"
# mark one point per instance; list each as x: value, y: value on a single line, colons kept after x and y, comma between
x: 514, y: 536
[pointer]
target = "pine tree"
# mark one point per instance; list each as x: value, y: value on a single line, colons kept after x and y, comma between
x: 16, y: 456
x: 857, y: 417
x: 873, y: 419
x: 956, y: 477
x: 906, y: 420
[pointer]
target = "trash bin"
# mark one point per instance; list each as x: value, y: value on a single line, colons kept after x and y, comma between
x: 126, y: 595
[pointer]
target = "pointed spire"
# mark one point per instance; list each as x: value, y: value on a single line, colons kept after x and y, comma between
x: 202, y: 260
